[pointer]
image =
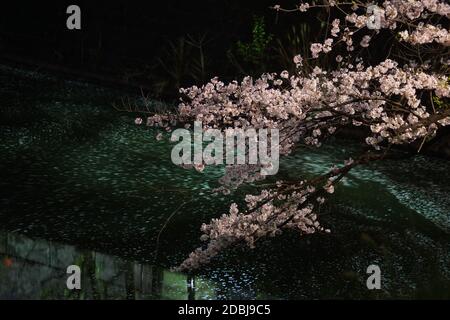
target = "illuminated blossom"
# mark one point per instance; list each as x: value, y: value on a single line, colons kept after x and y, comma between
x: 391, y: 100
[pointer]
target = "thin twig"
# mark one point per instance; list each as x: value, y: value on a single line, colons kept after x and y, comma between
x: 166, y: 223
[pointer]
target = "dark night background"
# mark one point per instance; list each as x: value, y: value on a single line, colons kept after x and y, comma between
x: 123, y: 42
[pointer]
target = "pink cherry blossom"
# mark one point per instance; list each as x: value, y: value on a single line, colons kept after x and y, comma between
x: 391, y: 100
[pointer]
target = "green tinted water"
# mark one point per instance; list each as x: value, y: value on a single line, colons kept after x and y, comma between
x: 80, y: 183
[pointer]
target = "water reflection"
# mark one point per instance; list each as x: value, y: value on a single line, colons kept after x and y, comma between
x: 36, y: 269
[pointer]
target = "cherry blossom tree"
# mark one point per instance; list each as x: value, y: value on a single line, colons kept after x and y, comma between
x: 402, y: 99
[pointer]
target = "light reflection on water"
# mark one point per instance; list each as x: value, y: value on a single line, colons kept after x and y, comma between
x: 36, y: 269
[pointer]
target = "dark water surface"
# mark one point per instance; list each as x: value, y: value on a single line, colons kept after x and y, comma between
x: 81, y: 184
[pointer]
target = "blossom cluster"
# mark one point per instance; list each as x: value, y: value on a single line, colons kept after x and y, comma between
x: 426, y: 33
x: 393, y: 15
x: 385, y: 98
x: 290, y: 207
